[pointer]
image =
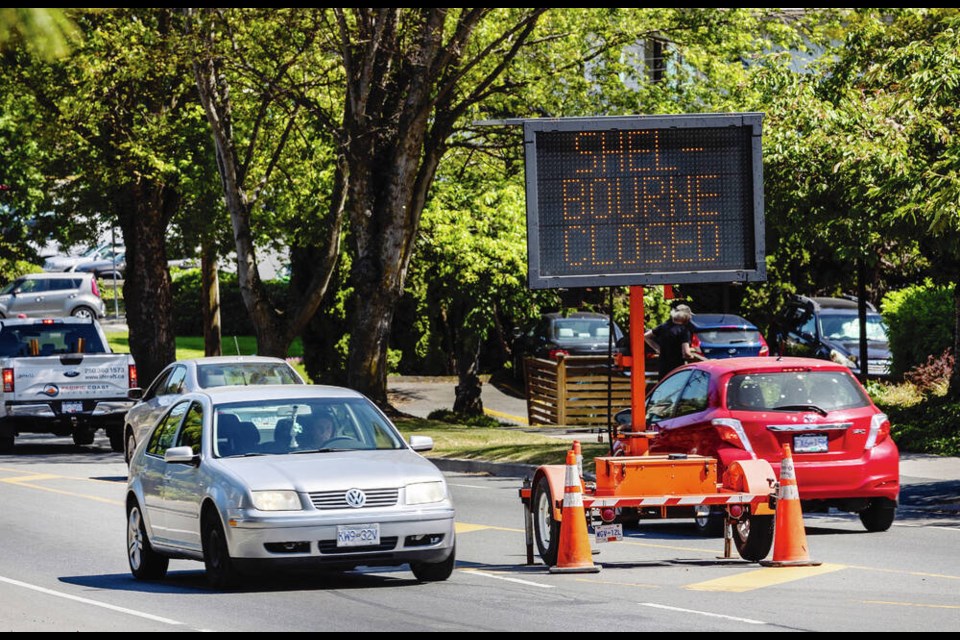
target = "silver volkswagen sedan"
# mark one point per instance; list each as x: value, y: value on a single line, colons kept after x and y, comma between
x: 257, y: 479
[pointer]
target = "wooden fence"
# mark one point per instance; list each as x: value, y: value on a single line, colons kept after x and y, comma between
x: 579, y: 391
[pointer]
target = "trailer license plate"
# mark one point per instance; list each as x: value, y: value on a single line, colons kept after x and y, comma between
x: 608, y: 532
x: 361, y: 535
x: 72, y: 407
x: 809, y: 443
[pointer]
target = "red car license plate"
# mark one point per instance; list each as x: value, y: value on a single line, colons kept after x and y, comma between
x: 809, y: 443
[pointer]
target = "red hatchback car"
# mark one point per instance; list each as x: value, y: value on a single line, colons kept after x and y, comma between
x: 739, y: 408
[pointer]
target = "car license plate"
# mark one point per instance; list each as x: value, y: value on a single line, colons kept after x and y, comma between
x: 608, y: 532
x: 361, y: 535
x: 809, y: 443
x: 72, y: 407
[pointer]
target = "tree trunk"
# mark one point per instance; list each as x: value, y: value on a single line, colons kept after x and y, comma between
x: 370, y: 335
x: 144, y: 211
x: 210, y: 300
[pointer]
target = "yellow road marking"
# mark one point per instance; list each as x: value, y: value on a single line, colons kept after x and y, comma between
x: 30, y: 478
x: 765, y: 577
x: 507, y: 416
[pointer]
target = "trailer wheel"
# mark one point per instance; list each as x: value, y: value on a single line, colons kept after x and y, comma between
x: 546, y: 529
x: 753, y: 537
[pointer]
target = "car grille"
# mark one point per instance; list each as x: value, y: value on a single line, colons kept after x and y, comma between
x: 337, y: 499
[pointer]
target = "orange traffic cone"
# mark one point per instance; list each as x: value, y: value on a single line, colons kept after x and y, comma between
x: 573, y: 554
x: 789, y: 536
x: 578, y: 452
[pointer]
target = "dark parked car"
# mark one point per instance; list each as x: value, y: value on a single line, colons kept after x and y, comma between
x: 724, y: 335
x: 717, y: 335
x: 741, y: 408
x: 829, y: 328
x: 556, y: 334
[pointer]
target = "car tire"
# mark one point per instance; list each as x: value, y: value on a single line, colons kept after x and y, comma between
x: 6, y: 443
x: 84, y: 313
x: 710, y: 525
x: 145, y: 563
x: 129, y: 446
x: 878, y: 516
x: 115, y: 435
x: 546, y: 529
x: 753, y: 537
x: 434, y: 571
x: 221, y: 571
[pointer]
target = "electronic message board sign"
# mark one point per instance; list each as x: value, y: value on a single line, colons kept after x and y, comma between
x: 644, y: 200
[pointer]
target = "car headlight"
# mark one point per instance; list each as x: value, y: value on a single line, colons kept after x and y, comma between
x: 839, y: 358
x: 276, y: 501
x: 424, y: 492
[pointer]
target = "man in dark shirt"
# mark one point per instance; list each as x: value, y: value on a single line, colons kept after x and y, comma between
x: 671, y: 340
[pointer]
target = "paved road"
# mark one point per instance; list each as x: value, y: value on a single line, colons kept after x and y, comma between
x: 929, y: 481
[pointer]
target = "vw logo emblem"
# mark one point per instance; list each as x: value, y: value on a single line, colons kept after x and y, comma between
x: 356, y: 498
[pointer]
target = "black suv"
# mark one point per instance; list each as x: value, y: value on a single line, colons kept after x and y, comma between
x: 578, y: 333
x: 829, y: 329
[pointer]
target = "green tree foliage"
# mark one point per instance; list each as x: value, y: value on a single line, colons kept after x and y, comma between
x: 916, y: 317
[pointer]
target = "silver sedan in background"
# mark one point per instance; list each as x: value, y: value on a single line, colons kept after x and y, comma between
x: 191, y: 374
x: 265, y: 478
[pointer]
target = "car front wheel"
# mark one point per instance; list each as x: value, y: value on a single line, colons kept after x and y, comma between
x: 221, y: 571
x: 434, y: 571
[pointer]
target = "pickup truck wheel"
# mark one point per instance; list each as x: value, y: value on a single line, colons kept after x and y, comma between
x: 83, y: 437
x: 545, y: 528
x: 753, y: 537
x: 145, y: 563
x: 116, y: 438
x: 6, y: 444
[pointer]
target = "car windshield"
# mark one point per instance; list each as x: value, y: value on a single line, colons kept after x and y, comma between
x: 581, y: 329
x: 729, y: 336
x: 847, y: 327
x: 293, y: 425
x: 242, y: 373
x: 795, y: 390
x: 44, y: 339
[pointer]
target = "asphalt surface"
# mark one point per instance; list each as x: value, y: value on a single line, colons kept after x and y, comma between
x: 928, y: 482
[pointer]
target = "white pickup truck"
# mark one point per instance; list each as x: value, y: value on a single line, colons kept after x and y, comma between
x: 60, y: 377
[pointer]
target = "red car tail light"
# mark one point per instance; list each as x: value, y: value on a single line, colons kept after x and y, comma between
x: 556, y: 354
x: 132, y: 376
x: 695, y: 344
x: 94, y: 287
x: 731, y: 431
x: 764, y: 348
x: 879, y: 428
x: 8, y: 381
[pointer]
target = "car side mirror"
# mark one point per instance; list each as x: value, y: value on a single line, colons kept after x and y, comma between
x: 421, y: 443
x: 180, y: 455
x: 136, y: 393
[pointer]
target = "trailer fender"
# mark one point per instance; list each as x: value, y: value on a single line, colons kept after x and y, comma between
x: 555, y: 475
x: 751, y: 476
